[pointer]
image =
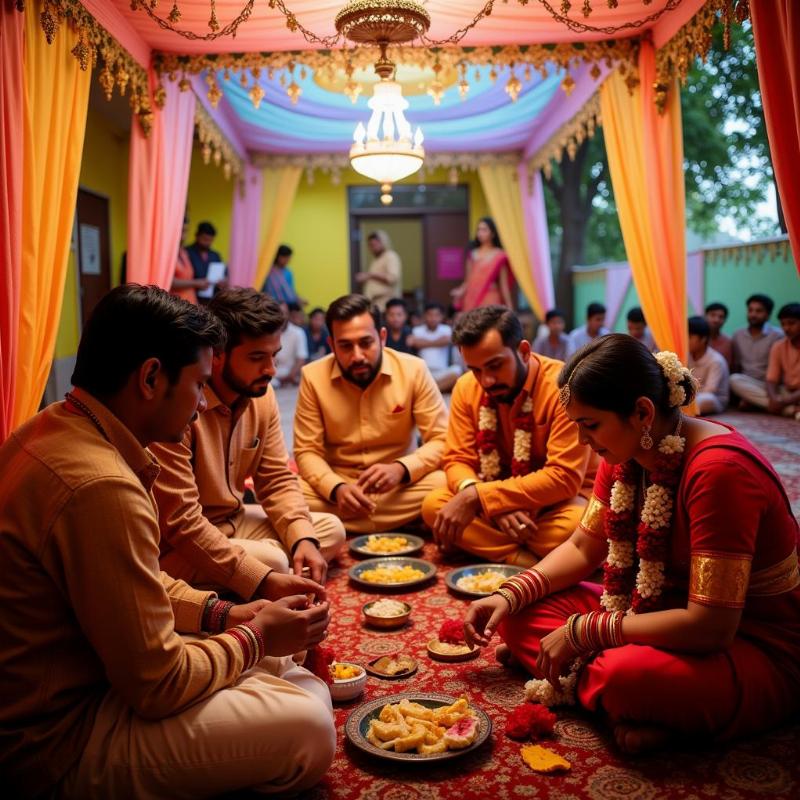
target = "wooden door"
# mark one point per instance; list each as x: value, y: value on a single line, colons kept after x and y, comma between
x: 446, y: 239
x: 93, y: 253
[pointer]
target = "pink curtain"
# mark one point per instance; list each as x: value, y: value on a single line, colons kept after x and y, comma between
x: 11, y: 159
x: 776, y: 27
x: 534, y: 216
x: 245, y: 227
x: 158, y: 182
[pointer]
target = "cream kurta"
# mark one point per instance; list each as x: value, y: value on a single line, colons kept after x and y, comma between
x: 387, y: 265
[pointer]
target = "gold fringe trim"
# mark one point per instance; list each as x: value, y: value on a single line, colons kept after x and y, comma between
x: 119, y: 69
x: 215, y: 146
x: 568, y: 137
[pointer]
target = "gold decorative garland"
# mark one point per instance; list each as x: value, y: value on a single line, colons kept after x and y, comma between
x: 519, y: 60
x: 119, y: 68
x: 334, y: 164
x: 214, y: 145
x: 567, y: 138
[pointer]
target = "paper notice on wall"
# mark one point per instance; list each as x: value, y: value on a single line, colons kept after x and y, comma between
x: 90, y: 249
x: 216, y: 272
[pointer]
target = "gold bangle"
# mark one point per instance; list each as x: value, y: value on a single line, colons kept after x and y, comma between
x: 466, y: 483
x: 508, y: 596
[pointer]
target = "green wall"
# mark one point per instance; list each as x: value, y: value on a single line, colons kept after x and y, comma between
x: 731, y: 275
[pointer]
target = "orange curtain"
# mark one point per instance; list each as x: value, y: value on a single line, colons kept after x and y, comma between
x: 645, y: 159
x: 55, y: 104
x: 776, y: 28
x: 11, y: 91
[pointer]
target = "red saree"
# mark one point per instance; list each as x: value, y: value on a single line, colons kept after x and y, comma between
x: 483, y: 281
x: 734, y: 543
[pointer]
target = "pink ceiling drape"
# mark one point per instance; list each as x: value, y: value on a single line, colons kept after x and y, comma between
x: 158, y: 182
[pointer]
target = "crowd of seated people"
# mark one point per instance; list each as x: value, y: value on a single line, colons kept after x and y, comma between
x: 180, y: 660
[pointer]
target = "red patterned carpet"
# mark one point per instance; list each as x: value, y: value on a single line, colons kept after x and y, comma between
x: 763, y: 767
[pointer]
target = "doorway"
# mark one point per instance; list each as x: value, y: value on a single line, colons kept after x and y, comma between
x: 93, y: 251
x: 429, y: 229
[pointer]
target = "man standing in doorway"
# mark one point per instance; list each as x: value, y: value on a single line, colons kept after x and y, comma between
x: 383, y: 280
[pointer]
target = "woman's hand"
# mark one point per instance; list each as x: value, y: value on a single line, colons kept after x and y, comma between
x: 555, y: 655
x: 482, y: 618
x: 244, y: 613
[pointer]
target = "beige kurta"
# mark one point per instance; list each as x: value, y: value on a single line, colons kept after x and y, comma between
x: 386, y: 265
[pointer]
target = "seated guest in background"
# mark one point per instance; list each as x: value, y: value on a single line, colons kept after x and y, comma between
x: 709, y: 369
x: 699, y: 638
x: 518, y: 479
x: 554, y: 343
x: 637, y: 327
x: 781, y: 393
x: 355, y: 426
x: 279, y: 284
x: 184, y: 284
x: 397, y: 327
x: 751, y: 348
x: 317, y: 335
x: 208, y: 535
x: 102, y: 696
x: 432, y: 341
x: 293, y: 354
x: 716, y: 315
x: 595, y: 326
x: 201, y: 255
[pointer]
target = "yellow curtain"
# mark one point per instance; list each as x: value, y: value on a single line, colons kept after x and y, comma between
x: 280, y: 187
x: 500, y: 184
x: 56, y: 99
x: 645, y: 159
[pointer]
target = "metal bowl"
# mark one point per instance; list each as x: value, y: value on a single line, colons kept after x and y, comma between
x: 451, y: 578
x: 387, y: 623
x: 426, y: 567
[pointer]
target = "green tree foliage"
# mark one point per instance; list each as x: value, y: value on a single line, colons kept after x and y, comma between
x: 727, y: 165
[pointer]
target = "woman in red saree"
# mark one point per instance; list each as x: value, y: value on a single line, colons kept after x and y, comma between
x: 488, y: 273
x: 696, y: 629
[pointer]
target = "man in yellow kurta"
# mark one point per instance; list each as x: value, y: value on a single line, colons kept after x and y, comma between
x: 355, y: 421
x: 518, y: 479
x: 209, y: 537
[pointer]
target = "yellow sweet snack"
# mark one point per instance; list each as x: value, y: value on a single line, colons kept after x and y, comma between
x: 540, y: 759
x: 343, y: 672
x: 488, y: 581
x: 386, y: 544
x: 392, y: 574
x: 407, y: 726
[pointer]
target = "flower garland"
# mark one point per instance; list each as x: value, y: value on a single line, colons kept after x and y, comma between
x: 624, y: 588
x: 490, y: 464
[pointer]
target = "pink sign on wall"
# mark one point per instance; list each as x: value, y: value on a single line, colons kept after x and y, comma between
x: 450, y: 263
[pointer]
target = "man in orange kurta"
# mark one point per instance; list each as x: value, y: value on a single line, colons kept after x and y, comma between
x: 508, y: 502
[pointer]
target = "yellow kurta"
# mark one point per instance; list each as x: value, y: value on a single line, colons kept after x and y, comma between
x: 554, y: 493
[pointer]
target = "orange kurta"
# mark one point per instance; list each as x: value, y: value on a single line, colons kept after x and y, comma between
x: 554, y: 492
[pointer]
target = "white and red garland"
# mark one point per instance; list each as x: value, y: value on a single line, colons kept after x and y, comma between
x: 490, y: 464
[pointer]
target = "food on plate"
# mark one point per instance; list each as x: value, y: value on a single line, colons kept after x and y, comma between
x: 394, y: 665
x: 540, y: 759
x: 392, y: 574
x: 485, y: 582
x: 407, y: 726
x: 447, y: 649
x: 385, y: 544
x: 387, y: 608
x: 344, y: 672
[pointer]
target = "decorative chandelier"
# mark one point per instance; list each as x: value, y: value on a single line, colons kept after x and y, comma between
x: 385, y: 151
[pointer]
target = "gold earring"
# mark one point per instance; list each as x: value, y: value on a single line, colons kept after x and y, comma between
x: 646, y: 441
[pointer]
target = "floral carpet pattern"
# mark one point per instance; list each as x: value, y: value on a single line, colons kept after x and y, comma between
x: 767, y: 766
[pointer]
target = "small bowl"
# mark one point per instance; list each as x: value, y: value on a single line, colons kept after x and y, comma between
x: 349, y: 688
x: 386, y: 623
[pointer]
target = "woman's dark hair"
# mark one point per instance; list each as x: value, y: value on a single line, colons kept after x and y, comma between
x: 495, y: 235
x: 246, y: 312
x: 475, y: 324
x: 283, y: 250
x: 133, y: 323
x: 611, y: 373
x: 346, y: 307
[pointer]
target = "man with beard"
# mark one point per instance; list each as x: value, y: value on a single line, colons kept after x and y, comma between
x: 208, y: 535
x: 518, y: 479
x: 354, y: 426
